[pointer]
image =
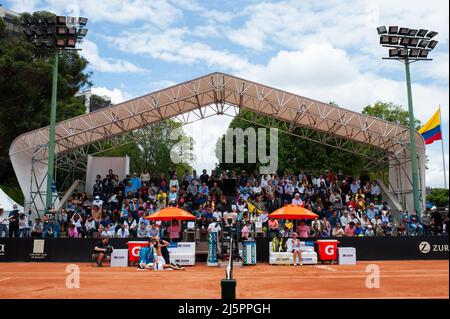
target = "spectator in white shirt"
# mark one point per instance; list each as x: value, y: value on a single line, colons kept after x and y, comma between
x: 345, y: 219
x: 297, y: 200
x: 123, y: 232
x: 107, y: 232
x: 97, y: 202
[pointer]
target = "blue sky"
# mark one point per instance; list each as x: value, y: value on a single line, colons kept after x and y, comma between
x: 326, y: 50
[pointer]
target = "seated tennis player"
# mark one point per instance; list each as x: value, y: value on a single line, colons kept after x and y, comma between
x: 148, y: 260
x: 293, y: 246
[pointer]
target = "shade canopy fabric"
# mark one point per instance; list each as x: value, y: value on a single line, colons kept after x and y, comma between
x: 7, y: 202
x: 170, y: 213
x: 293, y: 212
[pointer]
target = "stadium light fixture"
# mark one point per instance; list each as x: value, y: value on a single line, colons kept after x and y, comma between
x: 393, y: 53
x: 423, y: 53
x: 414, y: 42
x: 393, y: 30
x: 393, y: 39
x: 384, y: 39
x: 412, y: 32
x: 413, y: 53
x: 405, y: 41
x: 432, y: 44
x: 57, y: 34
x: 408, y: 46
x: 431, y: 34
x: 403, y: 31
x: 382, y: 30
x: 82, y: 21
x: 423, y: 43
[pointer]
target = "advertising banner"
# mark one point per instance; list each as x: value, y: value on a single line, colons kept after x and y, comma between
x: 212, y: 250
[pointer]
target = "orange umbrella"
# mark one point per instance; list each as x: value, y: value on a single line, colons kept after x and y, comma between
x: 293, y: 212
x: 170, y: 213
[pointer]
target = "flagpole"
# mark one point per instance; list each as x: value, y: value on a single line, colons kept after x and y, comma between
x: 442, y: 145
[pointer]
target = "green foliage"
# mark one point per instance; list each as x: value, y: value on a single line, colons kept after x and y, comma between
x: 439, y: 197
x: 295, y: 153
x: 25, y: 90
x: 152, y: 151
x: 15, y: 193
x: 389, y: 112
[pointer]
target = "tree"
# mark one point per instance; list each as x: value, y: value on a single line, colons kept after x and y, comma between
x: 438, y: 197
x: 153, y: 147
x: 25, y: 89
x: 295, y: 153
x: 389, y: 112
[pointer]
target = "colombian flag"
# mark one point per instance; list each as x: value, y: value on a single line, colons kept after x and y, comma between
x: 431, y: 131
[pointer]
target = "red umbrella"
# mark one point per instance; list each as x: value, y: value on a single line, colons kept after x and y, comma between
x: 293, y: 212
x: 171, y: 213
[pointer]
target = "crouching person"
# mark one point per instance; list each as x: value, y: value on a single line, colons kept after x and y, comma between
x: 102, y: 251
x: 150, y: 258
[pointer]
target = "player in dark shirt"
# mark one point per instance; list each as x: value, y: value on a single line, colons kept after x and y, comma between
x: 102, y: 251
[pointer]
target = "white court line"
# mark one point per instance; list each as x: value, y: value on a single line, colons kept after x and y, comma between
x: 3, y: 279
x: 123, y: 276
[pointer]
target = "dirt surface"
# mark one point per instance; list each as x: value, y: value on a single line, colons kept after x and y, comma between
x: 398, y: 279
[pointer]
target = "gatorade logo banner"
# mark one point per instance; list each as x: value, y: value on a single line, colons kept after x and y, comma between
x: 329, y: 250
x: 212, y: 249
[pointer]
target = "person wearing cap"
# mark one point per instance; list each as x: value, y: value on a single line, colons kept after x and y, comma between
x: 293, y: 246
x: 369, y: 231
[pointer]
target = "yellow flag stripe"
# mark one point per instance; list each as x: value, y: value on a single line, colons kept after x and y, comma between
x: 432, y: 123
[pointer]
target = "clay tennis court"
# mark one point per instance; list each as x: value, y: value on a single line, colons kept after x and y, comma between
x: 399, y: 279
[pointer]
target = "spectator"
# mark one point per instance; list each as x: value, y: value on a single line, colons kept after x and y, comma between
x: 379, y: 231
x: 303, y: 230
x: 245, y: 231
x: 123, y: 232
x: 345, y: 219
x: 174, y: 231
x: 369, y: 231
x: 24, y: 229
x: 106, y: 232
x: 414, y: 225
x: 153, y: 231
x: 3, y: 226
x: 131, y: 226
x: 51, y: 228
x: 72, y: 231
x: 37, y: 229
x: 14, y: 222
x: 90, y: 227
x: 273, y: 228
x: 371, y: 211
x: 338, y: 231
x: 293, y: 246
x: 297, y: 200
x: 143, y: 231
x: 350, y: 229
x: 426, y: 222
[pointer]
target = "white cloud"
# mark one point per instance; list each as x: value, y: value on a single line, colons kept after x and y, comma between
x: 435, y: 171
x: 90, y: 52
x: 171, y: 46
x: 157, y: 12
x: 116, y: 95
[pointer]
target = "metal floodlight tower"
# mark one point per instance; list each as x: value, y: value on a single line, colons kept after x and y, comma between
x: 54, y: 34
x: 414, y: 45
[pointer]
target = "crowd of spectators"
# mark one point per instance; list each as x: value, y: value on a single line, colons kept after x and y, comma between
x: 346, y: 205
